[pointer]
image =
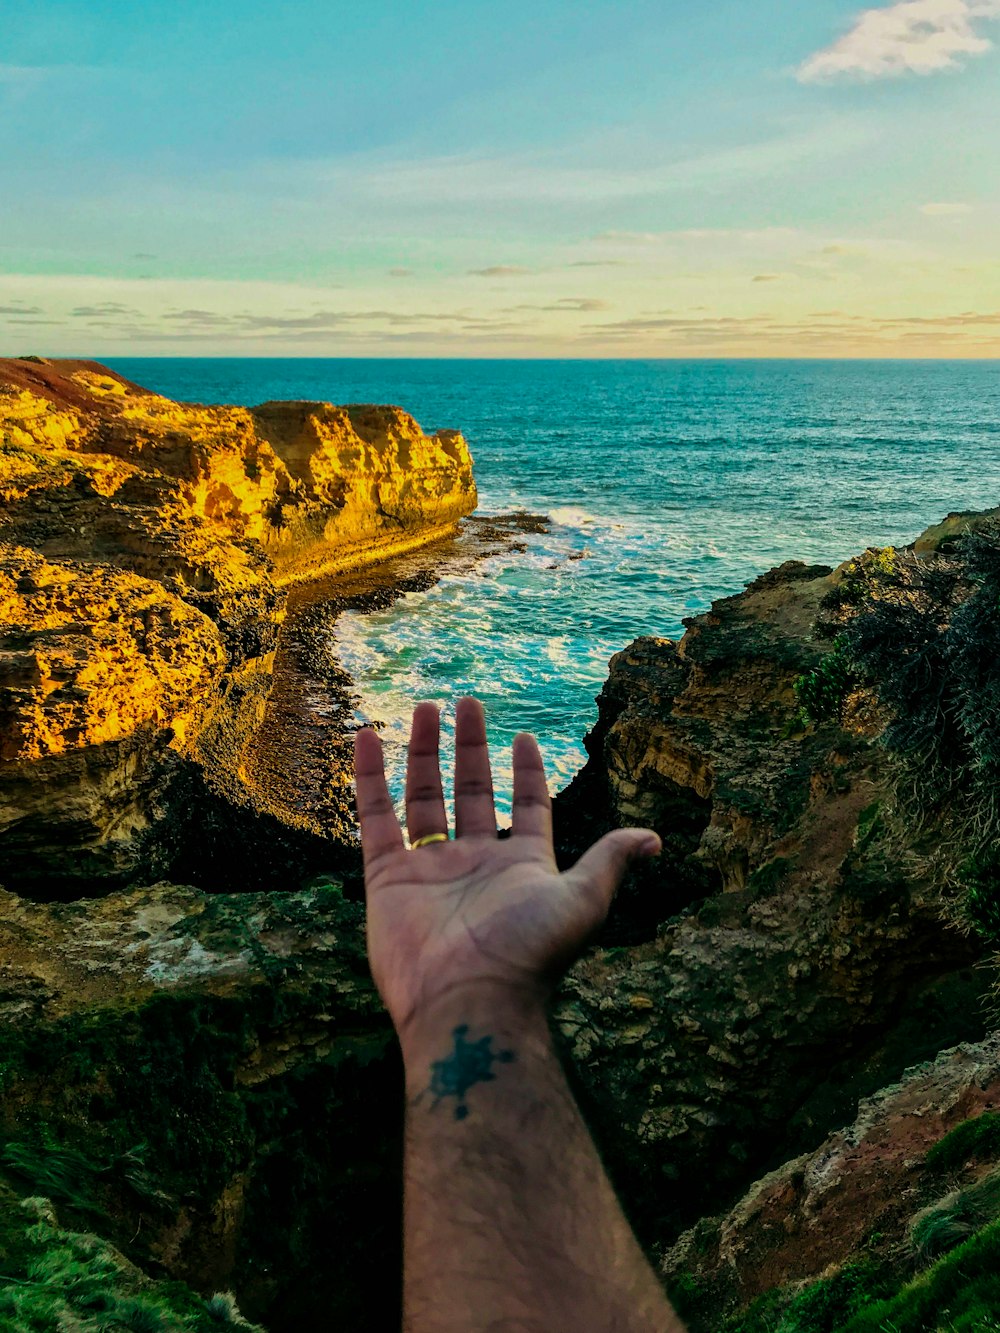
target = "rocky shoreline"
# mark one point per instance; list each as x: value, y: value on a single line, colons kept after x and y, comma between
x: 783, y: 1018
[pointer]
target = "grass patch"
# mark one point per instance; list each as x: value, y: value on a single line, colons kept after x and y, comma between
x: 952, y: 1220
x: 820, y: 1307
x: 976, y: 1139
x: 960, y: 1293
x: 74, y: 1282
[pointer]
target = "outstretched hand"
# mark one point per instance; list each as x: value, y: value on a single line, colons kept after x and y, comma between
x: 476, y: 911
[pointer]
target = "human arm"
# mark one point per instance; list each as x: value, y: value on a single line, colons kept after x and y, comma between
x: 510, y: 1221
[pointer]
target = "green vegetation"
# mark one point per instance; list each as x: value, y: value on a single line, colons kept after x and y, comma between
x: 928, y: 642
x: 820, y: 1307
x: 955, y: 1218
x: 975, y: 1139
x: 822, y: 691
x: 870, y: 824
x: 770, y: 874
x: 862, y: 576
x: 979, y: 877
x: 686, y: 1292
x: 74, y: 1282
x: 960, y: 1294
x: 120, y: 1113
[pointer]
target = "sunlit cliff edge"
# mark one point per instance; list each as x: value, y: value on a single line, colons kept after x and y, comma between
x: 145, y: 549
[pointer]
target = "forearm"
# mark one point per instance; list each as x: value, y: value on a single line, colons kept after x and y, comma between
x: 511, y: 1223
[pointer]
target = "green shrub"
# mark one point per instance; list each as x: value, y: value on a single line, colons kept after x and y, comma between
x: 822, y: 691
x: 686, y: 1292
x: 932, y: 654
x: 979, y: 877
x: 976, y: 1138
x: 53, y: 1170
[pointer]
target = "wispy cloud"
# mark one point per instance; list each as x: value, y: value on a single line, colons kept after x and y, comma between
x: 945, y: 210
x: 499, y: 271
x: 910, y: 37
x: 401, y: 273
x: 767, y: 277
x: 830, y: 329
x: 103, y: 310
x: 584, y: 304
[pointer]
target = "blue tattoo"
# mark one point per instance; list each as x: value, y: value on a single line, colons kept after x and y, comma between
x: 469, y: 1063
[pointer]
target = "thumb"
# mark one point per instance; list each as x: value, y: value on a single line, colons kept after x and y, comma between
x: 603, y: 865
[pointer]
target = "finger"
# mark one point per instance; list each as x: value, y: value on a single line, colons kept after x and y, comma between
x: 380, y: 831
x: 474, y: 810
x: 602, y: 867
x: 532, y: 807
x: 425, y: 811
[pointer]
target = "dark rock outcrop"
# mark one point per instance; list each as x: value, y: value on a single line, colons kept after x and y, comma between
x: 788, y: 967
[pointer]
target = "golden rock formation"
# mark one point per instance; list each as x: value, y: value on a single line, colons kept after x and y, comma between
x: 145, y: 546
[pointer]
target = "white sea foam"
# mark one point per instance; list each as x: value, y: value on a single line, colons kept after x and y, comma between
x: 571, y: 516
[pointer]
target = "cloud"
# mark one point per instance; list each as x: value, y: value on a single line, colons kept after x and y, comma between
x: 499, y: 271
x: 767, y: 277
x: 104, y: 310
x: 726, y: 235
x: 829, y: 329
x: 401, y: 273
x: 910, y: 37
x: 630, y: 237
x: 20, y: 310
x: 588, y: 304
x: 197, y: 323
x: 945, y: 210
x: 598, y: 263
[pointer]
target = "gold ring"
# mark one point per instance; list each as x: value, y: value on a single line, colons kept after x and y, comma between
x: 427, y: 839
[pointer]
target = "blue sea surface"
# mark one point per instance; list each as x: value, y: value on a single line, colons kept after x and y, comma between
x: 676, y: 482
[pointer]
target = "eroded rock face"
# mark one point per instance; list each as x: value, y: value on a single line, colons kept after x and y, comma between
x: 794, y: 969
x: 853, y: 1197
x: 144, y: 549
x: 209, y: 1083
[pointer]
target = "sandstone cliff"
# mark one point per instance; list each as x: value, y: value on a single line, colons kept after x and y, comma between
x: 145, y: 547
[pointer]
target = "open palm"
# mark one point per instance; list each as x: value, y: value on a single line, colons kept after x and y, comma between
x: 477, y: 910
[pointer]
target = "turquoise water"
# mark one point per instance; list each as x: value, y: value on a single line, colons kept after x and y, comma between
x: 669, y: 483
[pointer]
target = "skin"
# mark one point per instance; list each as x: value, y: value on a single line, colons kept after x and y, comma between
x: 510, y: 1222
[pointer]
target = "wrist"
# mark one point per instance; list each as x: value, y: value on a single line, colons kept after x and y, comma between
x: 513, y: 1017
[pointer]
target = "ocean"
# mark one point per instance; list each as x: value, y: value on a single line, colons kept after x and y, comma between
x: 667, y: 483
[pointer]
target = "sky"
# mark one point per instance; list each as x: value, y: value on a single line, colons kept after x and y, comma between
x: 542, y: 178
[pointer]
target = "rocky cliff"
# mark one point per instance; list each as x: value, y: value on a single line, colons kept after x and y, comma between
x: 206, y: 1083
x: 819, y: 754
x: 785, y: 1040
x: 145, y: 551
